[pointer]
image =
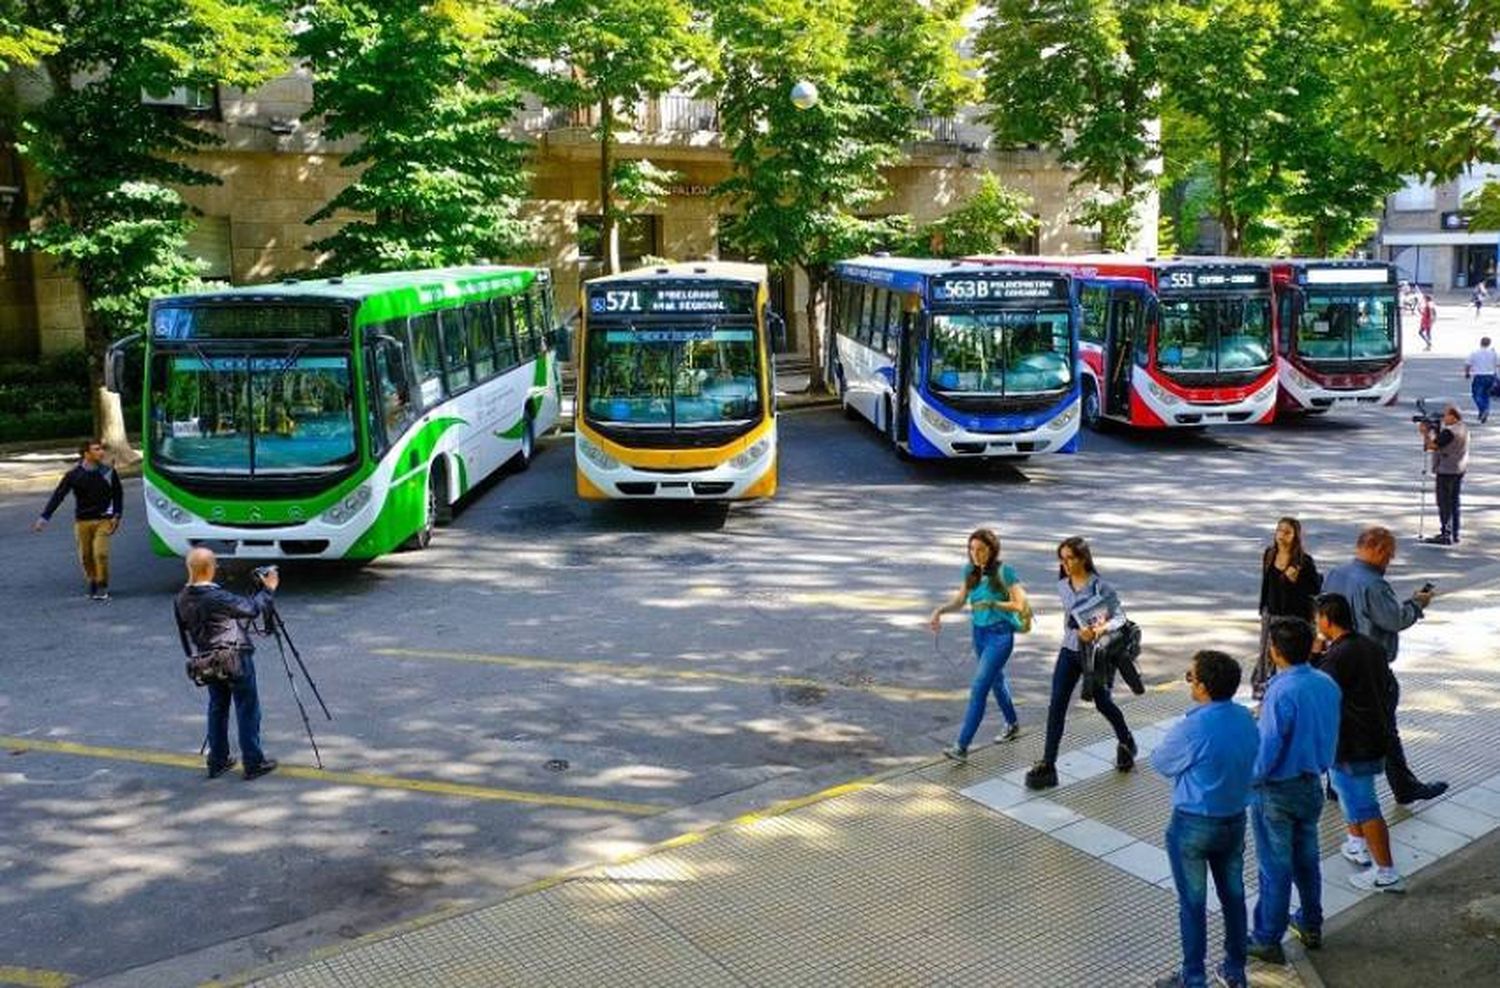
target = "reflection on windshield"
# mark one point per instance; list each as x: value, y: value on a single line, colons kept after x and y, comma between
x: 1339, y: 326
x: 687, y: 376
x: 1000, y: 353
x: 211, y: 414
x: 1214, y: 336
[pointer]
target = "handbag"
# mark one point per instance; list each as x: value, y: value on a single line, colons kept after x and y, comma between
x: 1022, y: 619
x: 216, y: 666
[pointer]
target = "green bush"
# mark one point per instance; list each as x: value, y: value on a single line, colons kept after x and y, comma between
x: 49, y: 399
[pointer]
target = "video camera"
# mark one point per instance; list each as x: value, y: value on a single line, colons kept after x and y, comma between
x: 1430, y: 411
x: 258, y: 575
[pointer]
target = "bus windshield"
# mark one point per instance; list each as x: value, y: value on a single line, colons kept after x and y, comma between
x: 256, y: 416
x: 1347, y: 326
x: 675, y: 377
x: 1207, y: 339
x: 1000, y: 353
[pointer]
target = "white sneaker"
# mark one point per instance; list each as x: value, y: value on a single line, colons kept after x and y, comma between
x: 1358, y: 853
x: 1369, y: 880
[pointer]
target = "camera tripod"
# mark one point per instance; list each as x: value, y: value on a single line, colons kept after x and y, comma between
x: 276, y: 627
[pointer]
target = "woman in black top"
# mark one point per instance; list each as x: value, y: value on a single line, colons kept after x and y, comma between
x: 1289, y: 582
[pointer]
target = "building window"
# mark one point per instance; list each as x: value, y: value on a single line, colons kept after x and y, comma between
x: 209, y: 242
x: 638, y: 232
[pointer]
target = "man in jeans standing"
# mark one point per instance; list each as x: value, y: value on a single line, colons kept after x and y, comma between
x: 1299, y: 731
x: 1209, y: 756
x: 1449, y: 446
x: 98, y: 501
x: 1480, y: 370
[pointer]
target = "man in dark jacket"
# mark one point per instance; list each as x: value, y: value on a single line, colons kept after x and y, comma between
x: 210, y: 617
x: 98, y: 502
x: 1357, y: 664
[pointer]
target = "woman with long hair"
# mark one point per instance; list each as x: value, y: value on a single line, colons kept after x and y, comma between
x: 1289, y: 586
x: 1091, y: 610
x: 996, y: 599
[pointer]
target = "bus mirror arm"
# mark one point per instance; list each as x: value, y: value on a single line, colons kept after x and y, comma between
x: 778, y: 330
x: 114, y: 363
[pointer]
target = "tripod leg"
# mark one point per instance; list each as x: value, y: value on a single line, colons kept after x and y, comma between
x: 301, y: 709
x: 282, y: 633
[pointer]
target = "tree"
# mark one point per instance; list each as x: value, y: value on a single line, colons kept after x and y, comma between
x: 106, y: 213
x: 20, y: 43
x: 607, y: 56
x: 429, y: 89
x: 1079, y: 77
x: 800, y: 177
x: 990, y: 220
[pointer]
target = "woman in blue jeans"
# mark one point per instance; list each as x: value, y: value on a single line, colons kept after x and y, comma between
x: 996, y: 598
x: 1079, y: 584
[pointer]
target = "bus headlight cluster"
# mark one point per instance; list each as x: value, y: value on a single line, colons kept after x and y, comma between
x: 1269, y: 391
x: 1065, y: 418
x: 165, y: 507
x: 343, y: 510
x: 595, y: 455
x: 1162, y: 395
x: 1300, y: 379
x: 756, y: 450
x: 935, y: 419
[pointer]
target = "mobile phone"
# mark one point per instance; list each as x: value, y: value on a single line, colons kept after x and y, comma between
x: 1427, y: 587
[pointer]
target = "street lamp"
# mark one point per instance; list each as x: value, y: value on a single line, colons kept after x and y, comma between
x: 804, y: 95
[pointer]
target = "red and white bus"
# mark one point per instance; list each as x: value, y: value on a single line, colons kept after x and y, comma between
x: 1173, y: 342
x: 1338, y: 334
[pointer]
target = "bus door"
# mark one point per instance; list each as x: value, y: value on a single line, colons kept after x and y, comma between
x: 1127, y: 333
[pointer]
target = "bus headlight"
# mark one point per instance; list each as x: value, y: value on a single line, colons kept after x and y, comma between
x: 165, y: 507
x: 1300, y: 379
x: 595, y: 455
x: 1064, y: 418
x: 345, y: 509
x: 756, y: 451
x: 1162, y: 395
x: 935, y: 419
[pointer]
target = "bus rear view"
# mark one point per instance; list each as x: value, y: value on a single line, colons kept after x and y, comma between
x: 675, y: 398
x: 1338, y: 334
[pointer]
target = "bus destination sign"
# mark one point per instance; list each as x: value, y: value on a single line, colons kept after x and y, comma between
x: 999, y: 287
x: 1212, y: 279
x: 626, y: 299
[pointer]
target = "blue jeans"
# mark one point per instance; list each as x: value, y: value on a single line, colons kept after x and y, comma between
x: 1480, y: 386
x: 992, y: 646
x: 1065, y: 676
x: 1285, y: 816
x: 246, y: 714
x: 1197, y: 845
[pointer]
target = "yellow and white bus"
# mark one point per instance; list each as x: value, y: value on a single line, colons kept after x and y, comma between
x: 675, y: 389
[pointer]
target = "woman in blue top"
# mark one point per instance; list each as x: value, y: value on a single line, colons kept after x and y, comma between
x: 996, y: 597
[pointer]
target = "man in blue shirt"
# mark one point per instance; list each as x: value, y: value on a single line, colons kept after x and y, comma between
x: 1209, y: 757
x: 1299, y: 733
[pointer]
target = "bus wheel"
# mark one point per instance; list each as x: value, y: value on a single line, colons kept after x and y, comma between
x: 438, y: 507
x: 1091, y: 416
x: 422, y: 537
x: 528, y: 444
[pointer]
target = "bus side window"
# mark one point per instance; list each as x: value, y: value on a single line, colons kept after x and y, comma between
x: 392, y: 396
x: 1095, y: 304
x: 544, y: 296
x: 525, y: 340
x: 426, y: 358
x: 481, y: 347
x: 505, y: 341
x: 893, y: 324
x: 456, y: 350
x: 1142, y: 315
x: 867, y: 313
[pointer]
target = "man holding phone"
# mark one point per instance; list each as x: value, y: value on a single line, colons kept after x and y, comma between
x: 1379, y: 615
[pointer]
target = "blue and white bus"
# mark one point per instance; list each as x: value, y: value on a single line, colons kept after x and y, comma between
x: 952, y: 359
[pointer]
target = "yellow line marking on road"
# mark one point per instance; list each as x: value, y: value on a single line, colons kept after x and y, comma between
x: 34, y: 977
x: 657, y: 672
x: 369, y: 780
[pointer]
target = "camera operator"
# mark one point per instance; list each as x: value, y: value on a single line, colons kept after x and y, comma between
x: 209, y: 618
x: 1448, y: 442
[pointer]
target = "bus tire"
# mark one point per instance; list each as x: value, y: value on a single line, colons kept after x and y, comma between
x: 528, y: 444
x: 440, y: 508
x: 422, y: 537
x: 1092, y: 415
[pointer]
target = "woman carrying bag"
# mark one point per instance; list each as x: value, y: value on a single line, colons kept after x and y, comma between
x: 999, y: 609
x: 1289, y: 585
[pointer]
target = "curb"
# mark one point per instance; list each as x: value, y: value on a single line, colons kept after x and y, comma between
x: 39, y: 482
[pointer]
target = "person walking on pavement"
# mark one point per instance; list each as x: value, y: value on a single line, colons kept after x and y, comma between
x: 1289, y: 581
x: 1299, y: 727
x: 1477, y: 297
x: 1209, y: 756
x: 1449, y: 447
x: 98, y: 504
x: 1357, y: 664
x: 1427, y: 313
x: 1082, y: 593
x: 997, y: 601
x: 1378, y: 615
x: 1479, y: 369
x: 208, y: 618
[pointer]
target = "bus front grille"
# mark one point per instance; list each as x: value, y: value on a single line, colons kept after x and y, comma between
x: 710, y: 488
x: 637, y: 487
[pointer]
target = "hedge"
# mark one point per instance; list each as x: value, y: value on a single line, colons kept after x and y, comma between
x: 48, y: 399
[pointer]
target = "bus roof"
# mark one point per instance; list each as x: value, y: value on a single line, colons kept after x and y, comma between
x: 754, y: 274
x: 1067, y: 261
x: 913, y: 274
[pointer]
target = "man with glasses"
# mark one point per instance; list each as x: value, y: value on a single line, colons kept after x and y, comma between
x: 1209, y: 756
x: 98, y: 501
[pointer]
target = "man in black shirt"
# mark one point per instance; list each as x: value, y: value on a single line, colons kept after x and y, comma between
x: 98, y: 502
x: 1358, y: 665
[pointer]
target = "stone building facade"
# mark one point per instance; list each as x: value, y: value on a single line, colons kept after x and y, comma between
x: 1425, y: 232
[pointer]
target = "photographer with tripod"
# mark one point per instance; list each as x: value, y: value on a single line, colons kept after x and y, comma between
x: 1448, y: 442
x: 214, y: 625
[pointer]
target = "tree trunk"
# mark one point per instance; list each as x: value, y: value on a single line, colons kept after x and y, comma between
x: 109, y: 416
x: 1226, y: 210
x: 610, y: 228
x: 817, y: 291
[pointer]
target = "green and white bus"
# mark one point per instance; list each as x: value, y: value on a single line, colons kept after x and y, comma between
x: 340, y: 418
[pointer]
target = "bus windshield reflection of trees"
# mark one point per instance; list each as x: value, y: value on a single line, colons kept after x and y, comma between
x: 672, y: 377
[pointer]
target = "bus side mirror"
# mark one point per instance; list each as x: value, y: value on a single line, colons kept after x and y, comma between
x: 778, y: 330
x: 114, y: 363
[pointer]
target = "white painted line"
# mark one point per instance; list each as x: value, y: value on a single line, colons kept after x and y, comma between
x: 1140, y: 859
x: 1459, y: 819
x: 1486, y: 801
x: 997, y: 794
x: 1080, y: 766
x: 1042, y: 814
x: 1092, y: 837
x: 1428, y: 836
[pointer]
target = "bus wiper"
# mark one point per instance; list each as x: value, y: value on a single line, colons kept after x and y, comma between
x: 220, y: 377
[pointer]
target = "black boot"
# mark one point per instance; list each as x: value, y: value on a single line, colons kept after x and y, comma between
x: 1042, y: 775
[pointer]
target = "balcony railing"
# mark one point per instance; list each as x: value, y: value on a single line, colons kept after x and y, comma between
x: 938, y: 130
x: 671, y: 114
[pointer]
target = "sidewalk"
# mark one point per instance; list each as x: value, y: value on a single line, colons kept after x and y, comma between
x: 948, y: 875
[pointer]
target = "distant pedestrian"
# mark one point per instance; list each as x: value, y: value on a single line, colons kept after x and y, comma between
x: 1379, y: 615
x: 1428, y: 316
x: 1449, y: 446
x: 98, y: 503
x: 997, y: 601
x: 1299, y: 729
x: 1091, y: 609
x: 1357, y: 664
x: 1480, y: 370
x: 1289, y: 581
x: 1478, y: 297
x: 1209, y: 756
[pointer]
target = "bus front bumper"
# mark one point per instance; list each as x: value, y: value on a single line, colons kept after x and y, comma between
x: 1301, y: 391
x: 743, y: 476
x: 1173, y: 410
x: 180, y: 531
x: 944, y: 437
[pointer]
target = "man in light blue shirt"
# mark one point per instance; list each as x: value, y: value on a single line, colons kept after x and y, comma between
x: 1299, y: 733
x: 1209, y: 757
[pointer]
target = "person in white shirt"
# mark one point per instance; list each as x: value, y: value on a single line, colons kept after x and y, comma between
x: 1480, y: 370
